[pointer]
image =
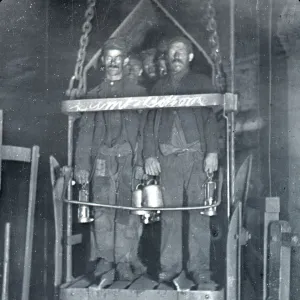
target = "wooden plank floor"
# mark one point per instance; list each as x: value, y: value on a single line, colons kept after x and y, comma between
x: 143, y: 282
x: 83, y: 288
x: 119, y: 285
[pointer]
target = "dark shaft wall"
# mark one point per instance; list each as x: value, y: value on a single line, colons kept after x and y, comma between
x: 39, y: 42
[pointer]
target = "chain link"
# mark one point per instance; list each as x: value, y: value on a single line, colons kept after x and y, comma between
x: 73, y: 92
x: 211, y: 26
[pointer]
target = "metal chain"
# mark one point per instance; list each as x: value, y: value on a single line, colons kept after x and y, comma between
x: 211, y: 27
x: 73, y: 92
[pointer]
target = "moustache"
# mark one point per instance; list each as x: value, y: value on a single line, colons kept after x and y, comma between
x: 176, y: 61
x: 113, y: 67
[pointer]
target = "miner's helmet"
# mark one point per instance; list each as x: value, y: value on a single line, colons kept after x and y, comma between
x: 116, y: 44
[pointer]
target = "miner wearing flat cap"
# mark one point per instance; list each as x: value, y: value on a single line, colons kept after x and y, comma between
x: 149, y: 67
x: 107, y: 158
x: 181, y: 147
x: 134, y: 68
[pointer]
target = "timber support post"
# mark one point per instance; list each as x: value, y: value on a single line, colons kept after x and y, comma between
x: 279, y: 262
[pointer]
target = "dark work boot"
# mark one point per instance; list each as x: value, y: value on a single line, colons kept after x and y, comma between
x: 124, y: 272
x: 166, y: 276
x: 170, y: 274
x: 138, y: 268
x: 182, y: 283
x: 102, y: 267
x: 203, y: 280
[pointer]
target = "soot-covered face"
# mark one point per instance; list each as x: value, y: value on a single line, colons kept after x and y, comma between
x: 113, y: 61
x: 179, y: 57
x: 149, y: 66
x: 134, y: 69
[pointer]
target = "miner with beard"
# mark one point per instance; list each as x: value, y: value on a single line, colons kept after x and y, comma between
x: 181, y: 147
x: 106, y: 157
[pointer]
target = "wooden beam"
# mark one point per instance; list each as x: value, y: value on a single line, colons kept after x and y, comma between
x: 185, y: 32
x: 16, y: 154
x: 6, y: 262
x: 228, y: 101
x: 30, y: 222
x: 140, y: 20
x: 74, y: 239
x: 268, y: 205
x: 278, y: 284
x: 232, y: 259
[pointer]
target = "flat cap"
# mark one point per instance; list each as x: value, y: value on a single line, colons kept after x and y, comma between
x: 162, y: 46
x: 135, y: 58
x: 148, y: 52
x: 115, y: 44
x: 181, y: 39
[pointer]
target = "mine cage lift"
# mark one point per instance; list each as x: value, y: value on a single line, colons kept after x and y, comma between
x: 238, y: 232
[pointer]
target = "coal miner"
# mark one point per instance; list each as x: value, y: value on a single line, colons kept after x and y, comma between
x: 149, y: 67
x: 134, y: 68
x: 181, y: 147
x: 106, y: 157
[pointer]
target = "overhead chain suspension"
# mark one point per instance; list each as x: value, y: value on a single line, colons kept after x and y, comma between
x: 215, y: 54
x: 76, y: 92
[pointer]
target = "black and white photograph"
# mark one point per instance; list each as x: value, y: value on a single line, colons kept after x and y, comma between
x: 150, y: 150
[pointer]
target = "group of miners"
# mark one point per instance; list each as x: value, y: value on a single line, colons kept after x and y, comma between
x: 117, y: 148
x: 147, y: 67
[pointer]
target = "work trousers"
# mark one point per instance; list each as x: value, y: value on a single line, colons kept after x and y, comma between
x: 182, y: 179
x: 115, y: 235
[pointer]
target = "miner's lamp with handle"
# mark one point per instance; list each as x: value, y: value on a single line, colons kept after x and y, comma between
x: 210, y: 188
x: 137, y: 199
x: 152, y: 198
x: 84, y: 214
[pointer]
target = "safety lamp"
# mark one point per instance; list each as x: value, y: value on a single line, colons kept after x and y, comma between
x: 210, y: 188
x: 84, y: 214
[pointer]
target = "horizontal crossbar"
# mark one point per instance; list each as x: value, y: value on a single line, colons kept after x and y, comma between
x: 227, y: 101
x: 75, y: 239
x: 16, y: 153
x: 99, y: 205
